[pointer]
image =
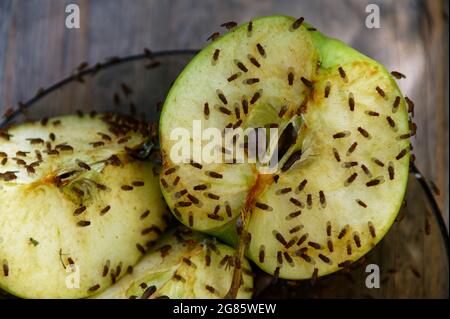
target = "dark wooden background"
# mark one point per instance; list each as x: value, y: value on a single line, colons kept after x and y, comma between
x: 36, y: 49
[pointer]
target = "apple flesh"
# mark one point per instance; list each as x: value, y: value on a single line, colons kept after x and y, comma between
x: 75, y: 209
x: 339, y: 185
x: 182, y: 265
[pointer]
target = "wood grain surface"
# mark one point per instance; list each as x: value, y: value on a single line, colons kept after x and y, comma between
x: 36, y: 49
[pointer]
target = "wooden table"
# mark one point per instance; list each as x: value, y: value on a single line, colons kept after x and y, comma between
x: 36, y: 49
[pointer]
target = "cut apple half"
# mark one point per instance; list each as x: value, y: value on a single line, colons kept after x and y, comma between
x: 343, y: 151
x: 183, y: 265
x: 73, y: 203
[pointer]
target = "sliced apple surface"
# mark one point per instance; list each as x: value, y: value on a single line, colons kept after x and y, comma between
x: 182, y: 265
x: 73, y: 203
x: 339, y: 181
